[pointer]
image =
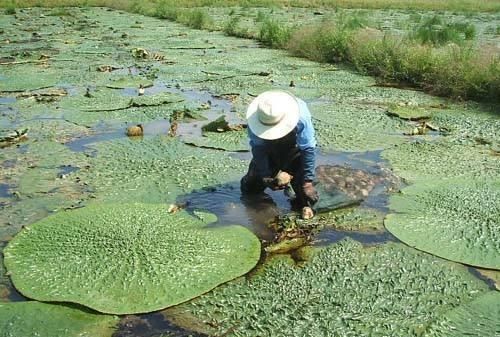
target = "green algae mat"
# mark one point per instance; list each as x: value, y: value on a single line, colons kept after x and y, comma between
x: 127, y: 258
x: 345, y: 289
x: 454, y: 219
x: 35, y: 319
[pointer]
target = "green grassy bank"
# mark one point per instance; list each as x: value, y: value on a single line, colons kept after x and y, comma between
x: 454, y: 5
x: 439, y: 56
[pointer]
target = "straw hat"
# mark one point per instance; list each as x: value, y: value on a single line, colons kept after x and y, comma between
x: 273, y: 114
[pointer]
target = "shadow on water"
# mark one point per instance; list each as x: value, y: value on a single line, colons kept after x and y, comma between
x: 4, y: 190
x: 151, y: 325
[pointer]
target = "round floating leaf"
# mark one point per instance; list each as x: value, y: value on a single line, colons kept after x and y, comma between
x: 228, y: 140
x: 27, y: 77
x: 411, y: 112
x: 25, y: 319
x: 127, y: 258
x: 157, y: 169
x: 130, y: 82
x: 454, y: 219
x: 414, y: 161
x: 479, y: 318
x: 388, y: 290
x: 98, y: 100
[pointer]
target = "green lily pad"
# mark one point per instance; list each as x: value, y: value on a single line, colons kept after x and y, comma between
x: 30, y: 319
x: 156, y: 169
x: 236, y: 141
x: 441, y: 159
x: 96, y: 100
x: 158, y: 99
x: 478, y: 318
x: 410, y: 112
x: 127, y: 258
x: 28, y: 77
x: 130, y: 82
x: 455, y: 219
x: 388, y: 290
x: 350, y: 127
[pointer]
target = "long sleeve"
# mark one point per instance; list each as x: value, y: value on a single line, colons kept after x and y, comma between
x: 306, y: 141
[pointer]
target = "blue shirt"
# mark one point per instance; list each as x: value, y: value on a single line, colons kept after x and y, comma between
x: 306, y: 142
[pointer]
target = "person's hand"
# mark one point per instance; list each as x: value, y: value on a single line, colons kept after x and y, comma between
x: 310, y: 193
x: 272, y: 183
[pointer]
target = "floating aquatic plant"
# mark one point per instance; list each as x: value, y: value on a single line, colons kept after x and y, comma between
x: 356, y: 127
x: 477, y: 318
x: 228, y: 141
x: 415, y: 161
x: 156, y: 169
x: 130, y: 82
x: 50, y: 320
x: 389, y: 290
x: 455, y: 219
x: 410, y: 112
x: 127, y: 258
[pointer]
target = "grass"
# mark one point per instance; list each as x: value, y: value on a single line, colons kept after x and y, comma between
x: 456, y: 5
x: 436, y: 31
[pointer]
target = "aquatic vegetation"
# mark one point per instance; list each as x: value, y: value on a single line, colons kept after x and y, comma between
x: 478, y: 318
x: 410, y: 112
x: 127, y: 258
x: 387, y: 290
x: 354, y: 219
x: 228, y: 141
x: 356, y: 128
x: 420, y: 160
x: 130, y: 82
x: 27, y: 77
x: 468, y: 126
x: 49, y: 320
x: 454, y: 219
x: 156, y: 169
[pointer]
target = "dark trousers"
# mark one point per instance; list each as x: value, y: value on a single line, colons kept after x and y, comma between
x: 288, y: 160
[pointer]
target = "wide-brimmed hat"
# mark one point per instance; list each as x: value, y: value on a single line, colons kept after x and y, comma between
x: 273, y: 114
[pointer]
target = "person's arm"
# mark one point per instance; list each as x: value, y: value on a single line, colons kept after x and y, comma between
x: 306, y: 141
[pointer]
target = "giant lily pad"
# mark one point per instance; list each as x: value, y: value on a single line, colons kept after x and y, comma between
x: 228, y: 140
x: 130, y: 82
x: 127, y: 258
x: 478, y: 318
x: 26, y: 77
x: 157, y: 169
x: 389, y: 290
x: 415, y: 161
x: 455, y: 219
x: 29, y: 319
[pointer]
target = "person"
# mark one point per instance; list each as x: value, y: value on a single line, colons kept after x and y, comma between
x: 282, y: 139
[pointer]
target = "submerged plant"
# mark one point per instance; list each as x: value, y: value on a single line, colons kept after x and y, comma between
x: 127, y: 258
